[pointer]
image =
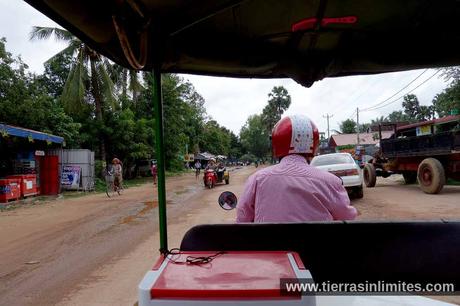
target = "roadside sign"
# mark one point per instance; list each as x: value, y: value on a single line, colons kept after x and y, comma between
x: 71, y: 176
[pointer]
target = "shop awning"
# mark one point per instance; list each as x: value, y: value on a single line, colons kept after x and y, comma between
x: 6, y: 130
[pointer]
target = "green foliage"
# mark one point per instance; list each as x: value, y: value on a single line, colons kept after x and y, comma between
x: 279, y: 101
x: 364, y: 127
x: 26, y: 102
x: 248, y: 158
x: 56, y: 73
x: 348, y: 126
x: 216, y: 139
x: 397, y: 116
x: 448, y: 100
x: 254, y: 136
x: 88, y: 87
x: 416, y: 112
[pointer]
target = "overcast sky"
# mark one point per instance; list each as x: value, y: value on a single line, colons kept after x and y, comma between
x: 231, y: 101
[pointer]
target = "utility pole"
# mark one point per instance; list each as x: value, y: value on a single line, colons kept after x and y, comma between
x: 328, y: 116
x: 357, y: 123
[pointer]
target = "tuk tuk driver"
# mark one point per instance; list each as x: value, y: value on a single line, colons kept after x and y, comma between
x: 292, y: 190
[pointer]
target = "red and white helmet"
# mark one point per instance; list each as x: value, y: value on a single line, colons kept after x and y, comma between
x: 295, y: 134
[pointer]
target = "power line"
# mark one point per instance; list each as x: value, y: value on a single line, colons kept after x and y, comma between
x: 352, y: 115
x: 359, y: 96
x: 396, y: 92
x: 397, y: 99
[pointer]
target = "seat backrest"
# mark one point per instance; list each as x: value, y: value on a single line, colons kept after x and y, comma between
x: 347, y: 251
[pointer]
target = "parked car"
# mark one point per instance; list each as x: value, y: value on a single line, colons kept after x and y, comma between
x: 344, y: 166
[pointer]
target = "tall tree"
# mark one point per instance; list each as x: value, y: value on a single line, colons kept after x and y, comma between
x: 88, y: 83
x: 216, y: 139
x: 414, y: 111
x: 378, y: 120
x: 411, y: 106
x: 397, y: 116
x: 254, y: 136
x: 279, y: 101
x: 448, y: 101
x: 128, y: 83
x: 348, y: 126
x: 26, y: 102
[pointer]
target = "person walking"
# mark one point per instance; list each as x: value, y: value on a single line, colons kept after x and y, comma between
x: 154, y: 171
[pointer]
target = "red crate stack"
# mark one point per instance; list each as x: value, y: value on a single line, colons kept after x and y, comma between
x: 10, y: 189
x: 28, y: 184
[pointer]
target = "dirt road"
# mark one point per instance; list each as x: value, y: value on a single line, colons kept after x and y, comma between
x: 93, y: 250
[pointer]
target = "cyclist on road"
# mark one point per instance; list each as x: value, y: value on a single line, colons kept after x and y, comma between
x: 197, y: 167
x: 117, y: 169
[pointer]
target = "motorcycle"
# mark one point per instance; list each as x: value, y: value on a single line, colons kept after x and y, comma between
x: 212, y: 177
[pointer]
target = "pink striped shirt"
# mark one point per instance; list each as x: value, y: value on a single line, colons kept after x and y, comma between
x: 294, y: 191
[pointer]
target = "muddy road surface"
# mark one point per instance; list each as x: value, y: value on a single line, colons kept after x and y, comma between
x: 94, y: 250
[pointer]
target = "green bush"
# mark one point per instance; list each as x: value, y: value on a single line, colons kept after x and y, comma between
x: 99, y: 167
x: 176, y: 165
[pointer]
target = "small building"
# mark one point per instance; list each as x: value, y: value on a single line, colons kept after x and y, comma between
x: 348, y: 142
x: 24, y: 157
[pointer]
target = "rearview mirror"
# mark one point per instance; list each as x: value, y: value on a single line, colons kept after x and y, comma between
x: 227, y: 200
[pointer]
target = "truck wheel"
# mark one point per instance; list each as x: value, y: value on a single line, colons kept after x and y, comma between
x: 410, y: 177
x: 359, y: 192
x: 370, y: 176
x: 431, y: 176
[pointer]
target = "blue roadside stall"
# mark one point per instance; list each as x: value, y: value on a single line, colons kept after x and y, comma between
x: 24, y: 158
x: 306, y: 41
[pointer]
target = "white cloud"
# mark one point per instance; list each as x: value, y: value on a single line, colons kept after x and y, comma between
x: 16, y: 21
x: 231, y: 101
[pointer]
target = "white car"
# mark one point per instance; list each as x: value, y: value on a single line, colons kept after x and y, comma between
x: 345, y: 167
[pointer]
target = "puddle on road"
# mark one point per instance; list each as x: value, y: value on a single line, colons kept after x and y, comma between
x: 188, y: 190
x: 149, y: 205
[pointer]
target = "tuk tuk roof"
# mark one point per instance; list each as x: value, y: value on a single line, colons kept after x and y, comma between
x: 303, y: 40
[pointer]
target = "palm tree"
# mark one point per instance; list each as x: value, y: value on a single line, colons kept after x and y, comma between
x: 89, y: 83
x: 127, y: 80
x: 378, y: 120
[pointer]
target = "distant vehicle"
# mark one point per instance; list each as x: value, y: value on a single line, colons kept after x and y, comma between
x: 212, y: 177
x: 344, y: 166
x: 426, y: 151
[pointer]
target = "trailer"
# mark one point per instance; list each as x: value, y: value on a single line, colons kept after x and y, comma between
x: 427, y: 152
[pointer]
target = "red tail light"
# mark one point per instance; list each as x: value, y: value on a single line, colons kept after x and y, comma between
x: 347, y: 172
x: 352, y: 172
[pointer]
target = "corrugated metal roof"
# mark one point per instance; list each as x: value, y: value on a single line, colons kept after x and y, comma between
x: 26, y: 133
x: 434, y: 121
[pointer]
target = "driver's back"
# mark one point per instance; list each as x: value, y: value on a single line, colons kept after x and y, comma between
x: 293, y: 191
